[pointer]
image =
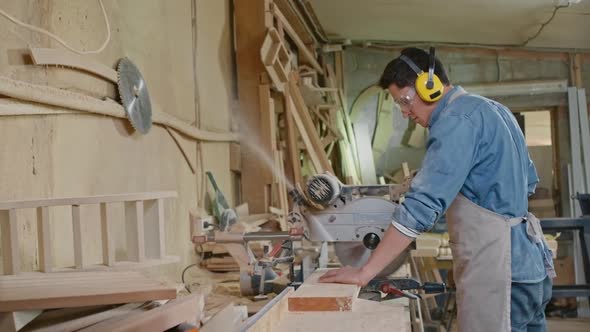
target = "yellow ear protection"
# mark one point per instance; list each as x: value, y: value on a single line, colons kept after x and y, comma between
x: 428, y: 85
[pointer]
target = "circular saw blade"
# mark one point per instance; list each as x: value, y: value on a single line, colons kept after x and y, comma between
x: 134, y: 96
x: 356, y: 254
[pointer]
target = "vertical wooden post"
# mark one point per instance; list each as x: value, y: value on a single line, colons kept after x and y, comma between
x: 108, y: 242
x: 135, y: 231
x: 77, y: 229
x: 252, y: 18
x: 44, y: 239
x: 155, y: 235
x: 9, y: 231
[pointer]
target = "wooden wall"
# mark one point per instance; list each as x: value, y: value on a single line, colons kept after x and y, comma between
x: 72, y: 155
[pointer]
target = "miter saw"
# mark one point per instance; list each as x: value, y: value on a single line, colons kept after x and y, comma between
x: 353, y: 218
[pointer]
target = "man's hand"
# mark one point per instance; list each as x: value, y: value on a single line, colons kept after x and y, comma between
x: 346, y: 275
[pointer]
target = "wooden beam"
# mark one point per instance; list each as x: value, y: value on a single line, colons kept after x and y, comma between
x: 313, y: 296
x: 309, y: 57
x: 78, y: 241
x: 186, y: 309
x: 63, y: 290
x: 60, y: 57
x: 9, y: 233
x: 155, y: 236
x: 252, y: 19
x: 292, y: 149
x: 44, y: 239
x: 85, y: 200
x: 134, y: 226
x: 269, y: 318
x: 107, y: 236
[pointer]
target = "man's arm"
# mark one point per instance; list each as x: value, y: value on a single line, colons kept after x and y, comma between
x: 392, y: 244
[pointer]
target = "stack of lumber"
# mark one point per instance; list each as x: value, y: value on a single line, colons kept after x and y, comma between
x: 433, y: 245
x: 92, y: 301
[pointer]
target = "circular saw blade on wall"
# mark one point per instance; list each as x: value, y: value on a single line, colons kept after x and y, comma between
x: 134, y: 96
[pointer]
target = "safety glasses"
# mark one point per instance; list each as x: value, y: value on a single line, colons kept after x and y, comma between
x: 406, y: 100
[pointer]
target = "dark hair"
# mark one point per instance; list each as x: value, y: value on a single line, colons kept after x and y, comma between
x: 399, y: 73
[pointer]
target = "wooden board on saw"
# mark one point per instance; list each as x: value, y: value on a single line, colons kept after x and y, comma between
x: 72, y: 289
x: 316, y: 296
x: 365, y: 316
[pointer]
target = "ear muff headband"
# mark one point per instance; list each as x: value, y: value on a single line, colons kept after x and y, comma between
x: 428, y: 86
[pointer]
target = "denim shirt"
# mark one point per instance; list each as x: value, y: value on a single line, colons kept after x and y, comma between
x: 476, y: 147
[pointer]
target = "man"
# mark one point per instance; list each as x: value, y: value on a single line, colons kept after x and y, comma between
x: 476, y: 169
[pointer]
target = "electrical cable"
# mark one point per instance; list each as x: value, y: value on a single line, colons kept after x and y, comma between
x: 555, y: 9
x: 57, y: 38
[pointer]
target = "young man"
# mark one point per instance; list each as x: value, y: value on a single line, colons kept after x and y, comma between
x: 477, y: 169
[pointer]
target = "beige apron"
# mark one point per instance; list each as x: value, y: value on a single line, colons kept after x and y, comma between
x: 480, y: 243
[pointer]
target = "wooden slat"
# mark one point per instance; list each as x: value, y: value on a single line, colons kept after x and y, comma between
x: 303, y: 118
x: 155, y: 236
x: 59, y: 57
x: 78, y: 241
x: 309, y: 57
x: 134, y: 226
x: 9, y: 233
x: 73, y: 289
x: 44, y: 238
x: 269, y: 318
x: 107, y: 236
x: 186, y: 309
x: 313, y: 296
x: 85, y: 200
x: 293, y: 150
x: 74, y: 319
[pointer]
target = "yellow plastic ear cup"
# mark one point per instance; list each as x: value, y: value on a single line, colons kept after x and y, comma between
x: 424, y: 92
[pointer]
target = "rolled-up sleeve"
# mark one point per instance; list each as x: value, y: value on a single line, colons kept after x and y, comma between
x: 450, y: 156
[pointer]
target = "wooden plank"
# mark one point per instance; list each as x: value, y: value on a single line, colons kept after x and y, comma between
x: 74, y: 319
x: 315, y: 296
x: 267, y: 141
x: 14, y: 321
x: 235, y: 160
x: 292, y: 149
x: 365, y: 153
x: 228, y: 319
x: 85, y: 200
x: 303, y: 118
x: 252, y: 19
x: 60, y: 57
x: 155, y: 236
x: 186, y: 309
x: 134, y: 226
x: 72, y: 100
x: 107, y: 236
x: 309, y: 57
x: 366, y: 315
x: 9, y: 233
x: 63, y: 290
x: 44, y: 239
x: 78, y: 241
x: 269, y: 317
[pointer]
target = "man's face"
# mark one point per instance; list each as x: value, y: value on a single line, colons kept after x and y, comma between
x: 411, y: 105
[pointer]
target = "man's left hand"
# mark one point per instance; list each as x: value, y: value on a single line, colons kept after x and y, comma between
x: 346, y: 275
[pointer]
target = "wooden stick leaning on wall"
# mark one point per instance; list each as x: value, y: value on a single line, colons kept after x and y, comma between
x: 72, y: 100
x: 306, y: 128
